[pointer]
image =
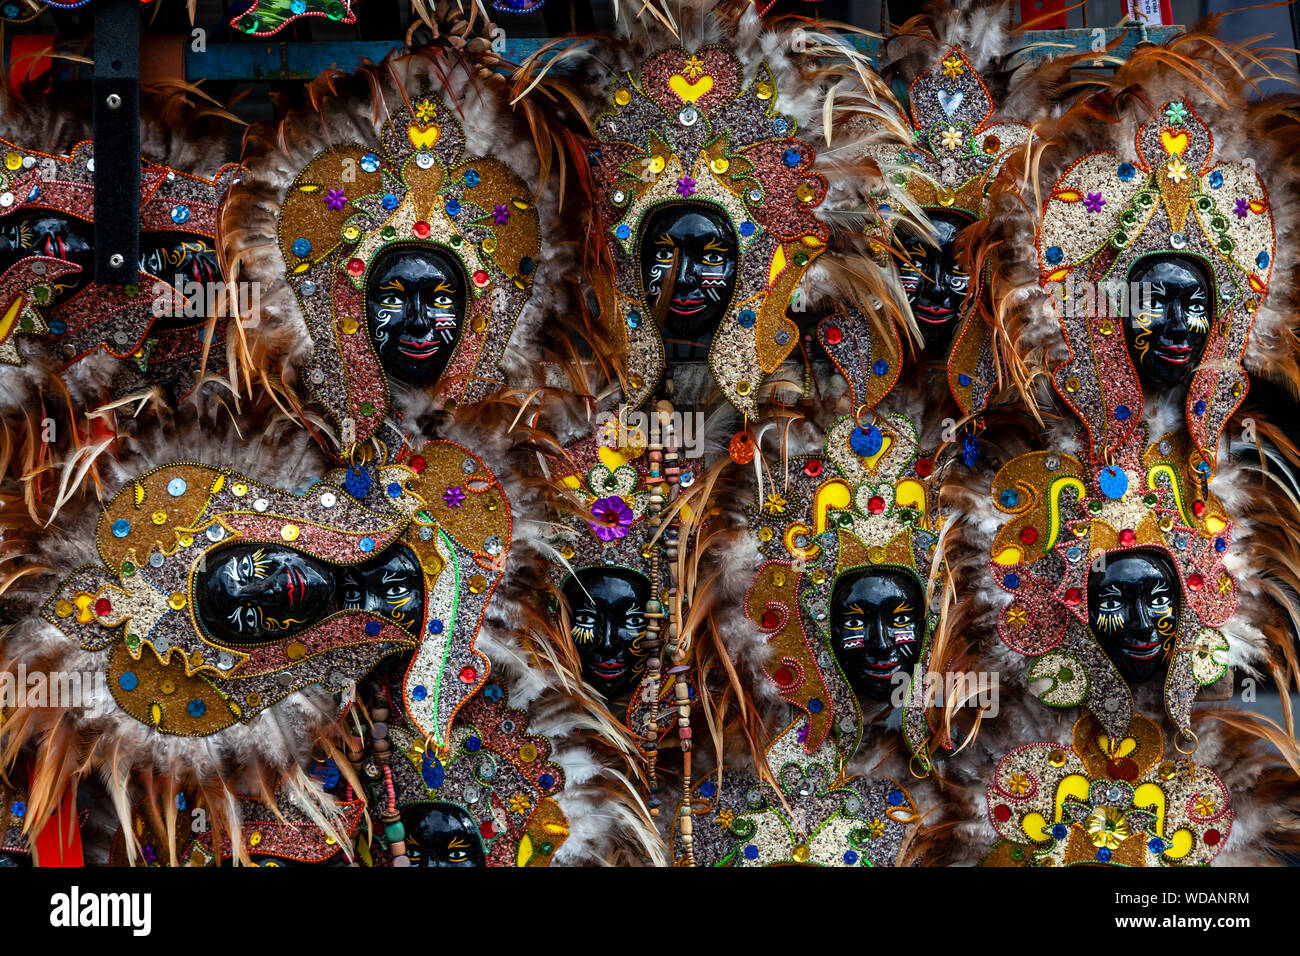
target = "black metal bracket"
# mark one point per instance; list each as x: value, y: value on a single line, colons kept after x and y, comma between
x: 115, y: 94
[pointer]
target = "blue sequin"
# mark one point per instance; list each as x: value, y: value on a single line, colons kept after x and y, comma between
x: 881, y: 367
x: 970, y: 451
x: 896, y: 798
x: 815, y: 705
x: 1012, y: 581
x: 472, y: 744
x: 453, y: 207
x: 1122, y: 413
x: 180, y: 801
x: 127, y: 680
x: 431, y: 770
x: 435, y: 626
x: 394, y: 489
x: 751, y: 852
x: 180, y: 215
x: 1054, y: 255
x: 298, y: 6
x: 492, y: 692
x: 20, y: 809
x: 1156, y: 845
x: 372, y: 628
x: 1104, y: 855
x: 746, y: 228
x: 301, y: 248
x: 747, y: 318
x: 472, y: 178
x: 367, y: 545
x: 633, y: 319
x: 850, y: 858
x: 1199, y: 408
x: 1262, y: 260
x: 1113, y: 482
x: 526, y: 266
x: 791, y: 157
x: 780, y: 126
x: 176, y: 487
x: 357, y: 482
x: 419, y: 692
x: 547, y: 781
x: 1220, y: 545
x: 121, y: 528
x: 1060, y: 831
x: 622, y: 231
x: 389, y: 201
x: 1126, y: 172
x: 58, y: 327
x: 708, y: 788
x: 963, y: 380
x: 196, y: 708
x: 370, y: 163
x: 1216, y: 180
x: 1009, y: 498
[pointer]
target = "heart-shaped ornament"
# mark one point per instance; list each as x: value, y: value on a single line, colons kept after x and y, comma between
x: 949, y: 101
x: 423, y: 137
x: 688, y: 91
x: 1174, y: 142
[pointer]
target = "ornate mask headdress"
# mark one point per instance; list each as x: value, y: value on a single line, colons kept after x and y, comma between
x: 216, y: 597
x: 687, y: 130
x: 867, y: 506
x: 1107, y: 214
x: 1105, y: 800
x: 1065, y: 521
x: 48, y: 292
x: 495, y: 783
x: 947, y: 172
x: 345, y: 222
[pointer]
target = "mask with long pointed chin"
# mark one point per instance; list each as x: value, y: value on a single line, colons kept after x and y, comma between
x: 689, y: 255
x: 415, y: 308
x: 1170, y: 321
x: 877, y: 628
x: 607, y: 622
x: 1134, y: 603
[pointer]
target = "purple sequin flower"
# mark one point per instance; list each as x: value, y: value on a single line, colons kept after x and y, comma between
x: 1242, y: 207
x: 1094, y: 202
x: 802, y: 733
x: 686, y: 186
x: 335, y: 199
x: 500, y: 214
x: 454, y: 497
x: 613, y: 518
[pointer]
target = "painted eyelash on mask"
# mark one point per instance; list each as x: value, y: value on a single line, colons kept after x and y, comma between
x: 1110, y: 621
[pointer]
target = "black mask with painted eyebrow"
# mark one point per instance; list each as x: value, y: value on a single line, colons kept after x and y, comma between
x: 1168, y: 325
x: 877, y: 626
x: 1133, y: 609
x: 936, y: 284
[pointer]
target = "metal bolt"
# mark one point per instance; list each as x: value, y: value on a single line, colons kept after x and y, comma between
x: 116, y: 260
x: 114, y: 101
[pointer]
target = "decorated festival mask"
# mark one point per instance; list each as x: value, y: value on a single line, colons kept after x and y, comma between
x: 217, y: 596
x: 487, y: 799
x: 1106, y: 800
x: 706, y: 201
x: 957, y: 153
x: 410, y: 262
x: 1159, y: 260
x: 844, y: 593
x: 47, y: 288
x: 1116, y: 573
x: 281, y: 835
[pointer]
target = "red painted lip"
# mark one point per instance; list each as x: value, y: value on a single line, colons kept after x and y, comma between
x: 1175, y: 354
x: 883, y: 669
x: 679, y: 306
x: 940, y: 315
x: 608, y: 671
x: 1142, y: 652
x: 417, y: 348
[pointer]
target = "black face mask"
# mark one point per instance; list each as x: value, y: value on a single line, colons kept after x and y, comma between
x: 52, y: 235
x: 877, y: 626
x: 415, y: 305
x: 936, y: 285
x: 442, y: 834
x: 257, y: 594
x: 689, y: 255
x: 189, y: 263
x: 1167, y: 337
x: 1133, y: 607
x: 607, y: 622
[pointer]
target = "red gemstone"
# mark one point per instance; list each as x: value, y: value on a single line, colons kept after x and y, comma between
x: 783, y: 677
x: 1127, y: 536
x: 741, y: 448
x: 1002, y: 813
x: 1195, y: 581
x: 1198, y: 508
x: 876, y: 504
x: 1121, y: 768
x: 418, y: 464
x: 356, y: 267
x: 812, y: 468
x: 771, y: 620
x: 487, y: 829
x: 1212, y: 837
x: 1073, y: 596
x: 103, y: 606
x: 480, y: 278
x: 468, y: 675
x: 834, y: 335
x: 924, y: 466
x: 421, y: 229
x: 1028, y: 534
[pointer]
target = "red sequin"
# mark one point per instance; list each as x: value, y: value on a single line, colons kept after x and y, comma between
x: 468, y: 675
x: 421, y: 229
x: 876, y: 504
x: 480, y: 278
x: 1198, y: 508
x: 834, y: 335
x: 1195, y: 581
x: 783, y: 677
x: 356, y: 267
x: 103, y: 606
x: 487, y: 829
x: 771, y: 620
x: 812, y: 468
x: 1028, y: 534
x: 924, y: 466
x: 1127, y: 536
x: 1002, y: 813
x: 418, y: 464
x: 1212, y: 837
x: 1073, y: 596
